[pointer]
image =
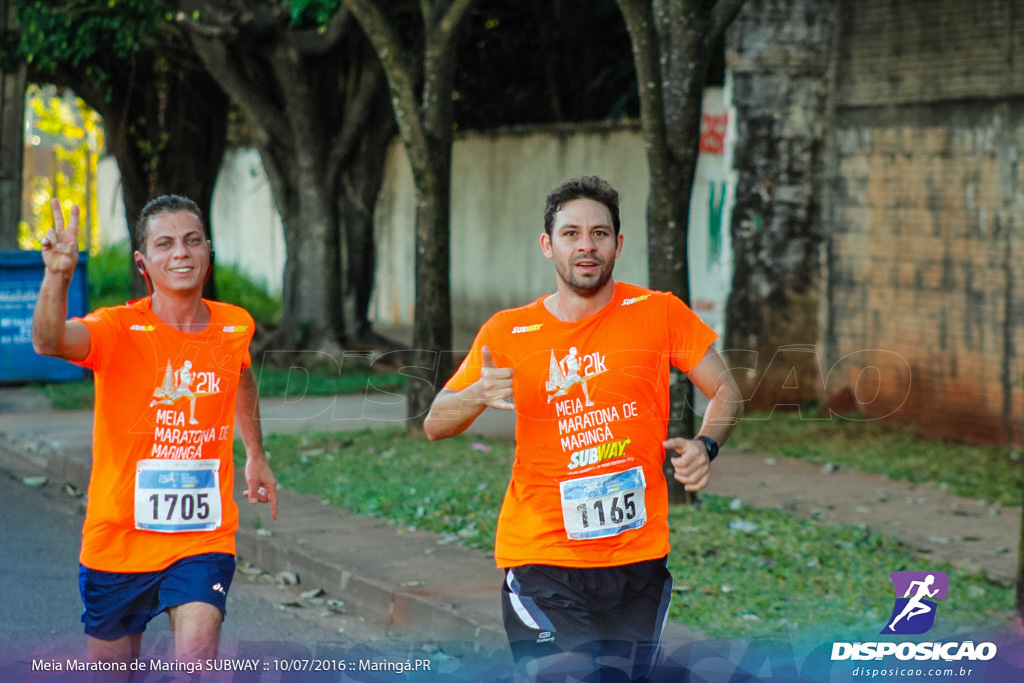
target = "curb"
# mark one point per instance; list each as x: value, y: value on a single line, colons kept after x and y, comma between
x: 336, y: 552
x: 407, y: 605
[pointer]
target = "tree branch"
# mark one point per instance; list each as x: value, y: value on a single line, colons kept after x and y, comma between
x: 452, y: 18
x: 317, y: 41
x: 258, y: 110
x: 646, y: 58
x: 303, y: 124
x: 199, y: 28
x: 359, y: 109
x: 221, y: 19
x: 399, y: 69
x: 721, y: 15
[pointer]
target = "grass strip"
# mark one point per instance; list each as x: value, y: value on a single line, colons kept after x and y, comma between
x: 738, y: 572
x: 273, y: 382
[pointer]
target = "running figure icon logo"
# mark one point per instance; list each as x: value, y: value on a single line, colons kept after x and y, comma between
x: 914, y: 611
x: 570, y: 371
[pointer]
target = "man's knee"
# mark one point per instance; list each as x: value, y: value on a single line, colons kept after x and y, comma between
x: 123, y: 649
x: 196, y: 628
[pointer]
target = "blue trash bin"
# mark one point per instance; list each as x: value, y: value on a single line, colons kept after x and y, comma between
x: 21, y: 273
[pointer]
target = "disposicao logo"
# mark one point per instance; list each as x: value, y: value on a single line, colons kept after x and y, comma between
x: 916, y: 593
x: 913, y: 613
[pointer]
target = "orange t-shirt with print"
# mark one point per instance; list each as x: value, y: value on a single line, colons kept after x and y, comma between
x: 162, y: 470
x: 592, y: 404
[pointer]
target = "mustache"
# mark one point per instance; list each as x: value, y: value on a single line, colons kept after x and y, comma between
x: 595, y: 258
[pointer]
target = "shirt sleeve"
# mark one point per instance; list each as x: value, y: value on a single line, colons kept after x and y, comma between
x: 689, y: 336
x: 469, y: 371
x: 102, y: 330
x: 250, y: 332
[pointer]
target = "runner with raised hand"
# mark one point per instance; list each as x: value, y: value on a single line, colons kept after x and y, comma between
x: 583, y: 531
x: 159, y: 532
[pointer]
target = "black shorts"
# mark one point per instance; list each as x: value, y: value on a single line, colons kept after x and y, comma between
x: 549, y: 610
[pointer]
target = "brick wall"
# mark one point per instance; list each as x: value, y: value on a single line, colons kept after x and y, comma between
x: 880, y: 200
x: 925, y: 268
x: 925, y: 317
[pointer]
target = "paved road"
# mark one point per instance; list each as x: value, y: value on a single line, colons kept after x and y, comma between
x: 40, y: 605
x: 39, y: 543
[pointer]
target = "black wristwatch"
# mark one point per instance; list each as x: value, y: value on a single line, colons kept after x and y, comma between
x: 711, y: 445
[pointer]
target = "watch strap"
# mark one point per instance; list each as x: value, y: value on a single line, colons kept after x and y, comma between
x: 711, y: 445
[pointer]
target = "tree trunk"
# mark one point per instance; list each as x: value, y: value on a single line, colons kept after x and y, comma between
x: 307, y: 97
x: 432, y: 324
x: 310, y: 310
x: 12, y: 146
x: 425, y: 124
x: 432, y: 328
x: 12, y: 153
x: 358, y: 188
x: 783, y: 119
x: 672, y: 42
x: 196, y: 123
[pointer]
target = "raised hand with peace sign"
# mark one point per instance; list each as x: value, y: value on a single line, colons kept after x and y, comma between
x: 52, y: 333
x: 60, y: 244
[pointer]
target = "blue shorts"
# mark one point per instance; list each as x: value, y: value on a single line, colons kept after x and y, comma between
x: 121, y: 604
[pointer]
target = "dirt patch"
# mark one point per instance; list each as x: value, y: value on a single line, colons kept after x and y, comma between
x: 973, y: 534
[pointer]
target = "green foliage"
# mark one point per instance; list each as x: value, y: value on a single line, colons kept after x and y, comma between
x: 990, y: 473
x: 454, y: 487
x: 273, y: 383
x: 738, y: 572
x: 66, y: 138
x: 86, y: 36
x: 292, y: 382
x: 110, y: 277
x: 317, y: 12
x: 235, y: 287
x: 69, y: 395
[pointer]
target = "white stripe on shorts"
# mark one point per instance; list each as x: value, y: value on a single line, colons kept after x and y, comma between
x: 518, y: 606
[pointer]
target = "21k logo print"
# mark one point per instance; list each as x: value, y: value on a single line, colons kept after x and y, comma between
x: 914, y: 610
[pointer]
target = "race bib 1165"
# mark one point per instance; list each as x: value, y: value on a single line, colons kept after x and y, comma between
x: 604, y: 505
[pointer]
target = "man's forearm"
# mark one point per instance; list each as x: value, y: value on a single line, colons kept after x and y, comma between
x: 247, y: 413
x: 50, y: 315
x: 723, y: 413
x: 453, y: 412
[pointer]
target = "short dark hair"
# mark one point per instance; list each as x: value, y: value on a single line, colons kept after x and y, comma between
x: 584, y: 187
x: 168, y: 203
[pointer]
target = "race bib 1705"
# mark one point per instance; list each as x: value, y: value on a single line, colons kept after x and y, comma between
x: 604, y: 505
x: 177, y: 495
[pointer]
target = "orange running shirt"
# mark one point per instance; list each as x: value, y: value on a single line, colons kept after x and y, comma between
x: 592, y: 403
x: 162, y: 437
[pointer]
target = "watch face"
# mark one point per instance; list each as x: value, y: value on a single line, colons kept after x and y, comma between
x: 711, y: 445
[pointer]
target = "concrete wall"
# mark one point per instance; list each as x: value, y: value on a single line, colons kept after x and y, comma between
x: 246, y: 227
x: 926, y: 198
x: 499, y: 181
